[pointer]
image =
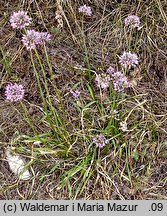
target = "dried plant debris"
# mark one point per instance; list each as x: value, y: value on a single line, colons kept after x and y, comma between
x: 17, y: 165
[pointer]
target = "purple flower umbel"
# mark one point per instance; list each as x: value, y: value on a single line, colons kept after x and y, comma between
x: 128, y: 59
x: 31, y: 39
x: 120, y: 81
x: 76, y: 93
x: 45, y: 37
x: 132, y: 21
x: 34, y: 38
x: 111, y: 70
x: 103, y: 80
x: 14, y: 92
x: 85, y: 10
x: 100, y: 140
x: 20, y: 20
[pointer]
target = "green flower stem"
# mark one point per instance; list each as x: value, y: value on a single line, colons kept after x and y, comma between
x: 56, y: 116
x: 55, y: 86
x: 41, y: 93
x: 86, y: 51
x: 28, y: 119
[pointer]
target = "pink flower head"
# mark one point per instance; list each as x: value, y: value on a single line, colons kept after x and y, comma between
x: 34, y: 38
x: 120, y: 81
x: 100, y: 140
x: 14, y: 92
x: 31, y: 39
x: 132, y: 21
x: 45, y: 36
x: 20, y: 20
x: 75, y: 93
x: 85, y: 10
x: 110, y: 70
x: 103, y: 80
x: 128, y: 59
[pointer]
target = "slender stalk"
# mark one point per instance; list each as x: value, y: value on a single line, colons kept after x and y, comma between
x: 28, y: 119
x: 86, y: 51
x: 56, y: 116
x: 55, y: 86
x: 41, y: 93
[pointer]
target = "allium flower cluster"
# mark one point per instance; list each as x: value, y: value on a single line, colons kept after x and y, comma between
x: 34, y: 38
x: 85, y: 9
x: 100, y: 140
x: 20, y: 20
x: 103, y: 80
x: 75, y: 93
x: 132, y: 21
x: 120, y: 81
x: 14, y: 92
x: 128, y: 59
x: 31, y: 39
x: 45, y: 37
x: 110, y: 70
